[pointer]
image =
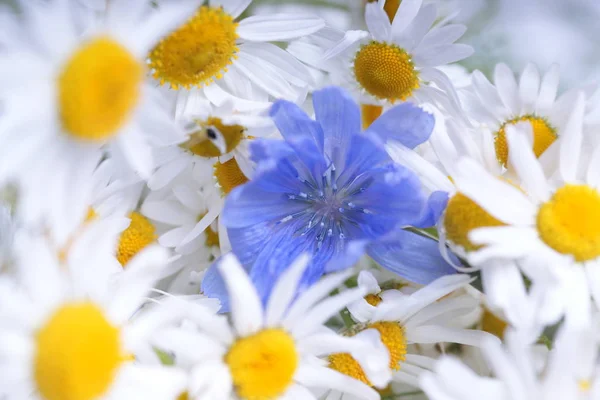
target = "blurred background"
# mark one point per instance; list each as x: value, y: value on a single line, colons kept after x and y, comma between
x: 566, y: 32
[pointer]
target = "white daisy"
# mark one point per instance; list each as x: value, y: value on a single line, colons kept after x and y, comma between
x: 216, y: 149
x: 541, y: 225
x: 185, y: 221
x: 532, y: 99
x: 271, y: 352
x: 521, y: 371
x: 396, y: 61
x: 65, y: 328
x: 404, y: 319
x: 232, y: 58
x: 90, y: 95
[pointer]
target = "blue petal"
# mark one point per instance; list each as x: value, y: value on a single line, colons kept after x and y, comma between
x: 405, y: 123
x: 302, y: 134
x: 352, y: 252
x: 261, y: 200
x: 248, y: 242
x: 213, y: 286
x: 339, y: 116
x: 393, y: 197
x: 363, y: 155
x: 265, y: 151
x: 413, y: 257
x: 436, y: 204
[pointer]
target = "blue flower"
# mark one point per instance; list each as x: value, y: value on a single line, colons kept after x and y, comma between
x: 332, y: 191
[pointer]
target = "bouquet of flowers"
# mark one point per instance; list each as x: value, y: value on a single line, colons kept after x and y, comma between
x: 214, y: 199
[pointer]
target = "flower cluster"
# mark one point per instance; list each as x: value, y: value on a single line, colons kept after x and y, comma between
x: 215, y: 200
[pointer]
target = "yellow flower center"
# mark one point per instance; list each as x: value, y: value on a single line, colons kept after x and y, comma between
x: 369, y: 114
x: 385, y: 71
x: 373, y: 299
x: 77, y: 355
x: 544, y: 135
x: 462, y: 216
x: 263, y: 365
x: 394, y: 339
x: 200, y: 143
x: 198, y: 52
x: 229, y: 175
x: 212, y: 237
x: 570, y: 222
x: 492, y: 324
x: 98, y: 89
x: 139, y: 234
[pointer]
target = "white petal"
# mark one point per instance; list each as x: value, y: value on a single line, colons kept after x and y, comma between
x: 278, y: 27
x: 548, y: 90
x: 246, y: 307
x: 571, y: 140
x: 500, y: 199
x: 529, y: 87
x: 378, y: 22
x: 525, y: 162
x: 508, y: 90
x: 326, y: 378
x: 284, y: 290
x: 404, y: 15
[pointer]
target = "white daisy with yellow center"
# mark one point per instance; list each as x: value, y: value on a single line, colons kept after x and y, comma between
x: 232, y: 58
x: 66, y: 327
x: 527, y: 308
x: 394, y: 61
x: 520, y: 369
x: 90, y: 96
x: 270, y: 353
x: 213, y: 160
x: 552, y: 226
x: 507, y: 102
x: 403, y: 319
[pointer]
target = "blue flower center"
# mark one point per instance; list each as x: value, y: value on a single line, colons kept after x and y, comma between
x: 331, y: 210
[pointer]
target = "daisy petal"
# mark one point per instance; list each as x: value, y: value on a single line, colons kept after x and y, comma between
x: 278, y: 27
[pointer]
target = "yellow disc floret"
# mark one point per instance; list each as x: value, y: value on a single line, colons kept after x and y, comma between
x: 570, y: 222
x: 462, y: 216
x: 262, y: 365
x: 98, y: 89
x: 373, y: 299
x: 385, y: 71
x: 229, y: 175
x: 200, y: 143
x: 198, y: 52
x: 77, y: 354
x: 392, y: 336
x: 544, y: 135
x: 139, y: 234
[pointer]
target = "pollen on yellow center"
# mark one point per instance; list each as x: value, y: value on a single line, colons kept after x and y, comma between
x: 544, y: 135
x: 200, y: 144
x: 570, y: 222
x: 77, y: 354
x: 229, y: 175
x: 139, y: 234
x: 98, y: 89
x: 385, y: 71
x: 462, y: 216
x: 373, y: 299
x: 198, y: 52
x: 263, y: 365
x: 394, y: 339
